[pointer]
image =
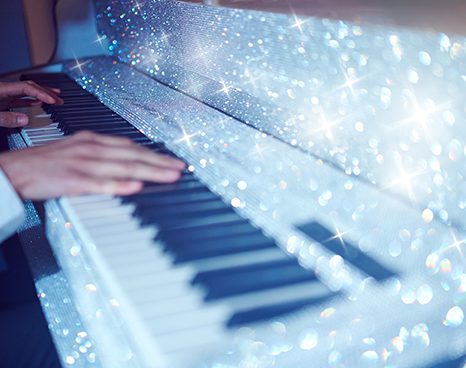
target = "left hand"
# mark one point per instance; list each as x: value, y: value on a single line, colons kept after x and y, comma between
x: 11, y: 95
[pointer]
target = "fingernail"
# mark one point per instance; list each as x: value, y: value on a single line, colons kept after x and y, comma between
x: 56, y: 90
x: 22, y: 120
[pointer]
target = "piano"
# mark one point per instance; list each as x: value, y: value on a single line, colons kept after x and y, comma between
x: 320, y: 221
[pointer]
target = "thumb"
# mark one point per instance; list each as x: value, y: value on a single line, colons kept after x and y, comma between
x: 12, y: 119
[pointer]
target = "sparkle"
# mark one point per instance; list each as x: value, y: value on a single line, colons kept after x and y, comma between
x: 297, y: 22
x: 456, y: 244
x: 78, y: 64
x: 186, y: 138
x: 404, y: 179
x: 226, y: 89
x: 251, y: 79
x: 99, y: 40
x: 138, y: 5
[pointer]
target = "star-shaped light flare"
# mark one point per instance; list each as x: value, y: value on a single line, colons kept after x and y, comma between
x: 339, y: 235
x: 297, y: 22
x: 226, y: 89
x: 457, y: 245
x: 78, y: 65
x: 186, y: 138
x: 99, y: 40
x: 138, y: 5
x: 404, y: 180
x: 251, y: 79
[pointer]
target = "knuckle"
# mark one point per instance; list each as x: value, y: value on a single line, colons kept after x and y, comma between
x: 6, y: 119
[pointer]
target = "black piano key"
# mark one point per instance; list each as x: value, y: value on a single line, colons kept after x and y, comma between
x: 245, y: 279
x: 207, y: 232
x: 347, y: 251
x: 215, y: 203
x: 81, y: 114
x: 80, y: 119
x: 175, y: 213
x: 171, y: 200
x: 99, y: 129
x: 214, y: 219
x: 202, y: 249
x: 265, y: 313
x: 98, y: 120
x: 184, y: 178
x: 87, y: 104
x: 103, y: 123
x: 177, y: 188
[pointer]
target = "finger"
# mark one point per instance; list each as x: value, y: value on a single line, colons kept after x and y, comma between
x: 13, y: 119
x: 133, y: 170
x: 55, y: 91
x: 132, y: 153
x: 31, y: 89
x: 102, y: 139
x: 24, y: 103
x: 106, y: 186
x: 124, y: 149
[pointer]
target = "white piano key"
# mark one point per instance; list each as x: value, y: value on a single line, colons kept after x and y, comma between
x: 193, y: 338
x: 88, y: 199
x: 121, y: 228
x: 139, y: 291
x: 187, y: 320
x: 188, y: 302
x: 96, y: 206
x: 113, y: 211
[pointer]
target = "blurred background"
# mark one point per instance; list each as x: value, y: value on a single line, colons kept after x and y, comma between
x: 37, y: 32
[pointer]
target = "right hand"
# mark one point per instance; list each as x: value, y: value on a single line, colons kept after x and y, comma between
x: 86, y: 163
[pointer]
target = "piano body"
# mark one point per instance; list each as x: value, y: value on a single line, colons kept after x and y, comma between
x: 321, y: 220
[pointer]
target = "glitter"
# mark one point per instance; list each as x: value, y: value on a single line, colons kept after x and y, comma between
x: 432, y: 263
x: 454, y: 317
x: 282, y: 184
x: 424, y: 294
x: 235, y: 202
x: 409, y: 297
x: 70, y: 360
x: 445, y: 265
x: 264, y: 206
x: 359, y: 127
x: 443, y: 215
x: 448, y: 118
x: 369, y: 357
x: 90, y: 288
x: 308, y: 339
x: 427, y: 215
x: 398, y: 344
x: 327, y: 313
x: 404, y: 235
x: 242, y: 185
x: 424, y: 58
x: 394, y: 248
x: 68, y: 225
x: 335, y: 357
x: 75, y: 249
x: 348, y: 185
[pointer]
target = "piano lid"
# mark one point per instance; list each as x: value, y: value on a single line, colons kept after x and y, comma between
x: 384, y: 104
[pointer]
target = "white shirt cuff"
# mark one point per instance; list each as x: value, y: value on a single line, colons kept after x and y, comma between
x: 11, y: 208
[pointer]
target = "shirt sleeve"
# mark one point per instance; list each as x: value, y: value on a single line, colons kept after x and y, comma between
x: 11, y: 209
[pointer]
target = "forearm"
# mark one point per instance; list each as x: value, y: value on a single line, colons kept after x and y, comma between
x: 11, y: 209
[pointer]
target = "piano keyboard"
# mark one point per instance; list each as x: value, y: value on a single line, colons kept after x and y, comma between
x: 208, y: 269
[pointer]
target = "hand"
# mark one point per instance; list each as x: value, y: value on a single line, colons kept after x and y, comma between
x: 86, y: 163
x: 11, y: 95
